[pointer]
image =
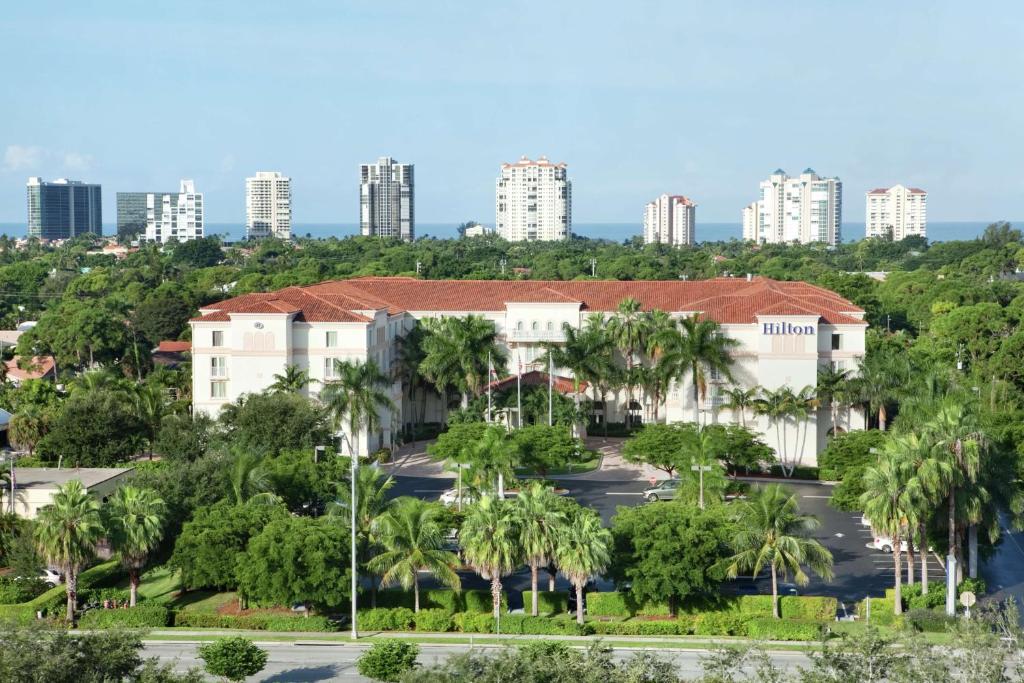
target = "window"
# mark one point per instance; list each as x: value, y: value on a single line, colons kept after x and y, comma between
x: 519, y: 326
x: 218, y: 389
x: 534, y: 326
x: 218, y: 338
x: 218, y: 366
x: 332, y: 339
x: 551, y: 326
x: 330, y: 368
x: 837, y: 342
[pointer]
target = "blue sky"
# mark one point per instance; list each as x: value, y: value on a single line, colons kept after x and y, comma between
x: 639, y: 98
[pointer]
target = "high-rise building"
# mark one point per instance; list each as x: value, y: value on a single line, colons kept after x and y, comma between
x: 386, y: 200
x: 804, y: 209
x: 268, y: 206
x: 180, y: 216
x: 132, y: 212
x: 670, y: 219
x: 63, y: 208
x: 533, y: 201
x: 896, y: 212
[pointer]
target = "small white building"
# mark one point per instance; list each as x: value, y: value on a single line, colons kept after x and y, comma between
x: 786, y: 332
x: 35, y: 486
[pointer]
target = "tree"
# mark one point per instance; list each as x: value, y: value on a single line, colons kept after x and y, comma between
x: 575, y: 353
x: 834, y: 387
x: 628, y: 329
x: 134, y: 523
x: 412, y: 535
x: 67, y: 532
x: 269, y: 423
x: 490, y: 542
x: 234, y: 658
x: 660, y: 446
x: 668, y: 552
x: 490, y: 460
x: 184, y: 437
x: 844, y: 460
x: 150, y: 407
x: 456, y: 352
x: 371, y: 503
x: 408, y: 357
x: 543, y: 448
x: 770, y: 531
x: 207, y: 550
x: 27, y: 427
x: 449, y: 444
x: 582, y: 551
x: 541, y: 525
x: 297, y: 560
x: 358, y: 396
x: 740, y: 447
x: 880, y: 378
x: 198, y: 253
x: 387, y: 660
x: 292, y: 381
x: 93, y: 429
x: 702, y: 352
x: 163, y: 314
x: 781, y: 407
x: 249, y: 480
x: 741, y: 400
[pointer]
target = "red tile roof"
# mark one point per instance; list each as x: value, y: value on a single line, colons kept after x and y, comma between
x: 42, y: 366
x: 726, y: 300
x: 174, y: 346
x: 533, y: 378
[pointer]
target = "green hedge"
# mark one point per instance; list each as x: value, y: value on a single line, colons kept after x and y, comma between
x: 926, y: 620
x: 518, y: 624
x: 386, y: 619
x: 434, y: 620
x: 20, y: 615
x: 16, y: 591
x: 881, y: 612
x: 548, y: 602
x: 253, y: 622
x: 480, y: 600
x: 621, y: 604
x: 719, y: 623
x: 448, y: 600
x: 141, y: 616
x: 638, y: 627
x: 52, y: 603
x: 785, y: 629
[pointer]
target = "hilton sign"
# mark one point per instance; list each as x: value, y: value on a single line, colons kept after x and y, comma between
x: 786, y: 328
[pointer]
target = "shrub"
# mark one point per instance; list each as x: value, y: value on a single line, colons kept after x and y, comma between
x: 609, y: 604
x: 141, y: 616
x: 881, y: 611
x: 720, y: 624
x: 392, y: 599
x: 548, y: 602
x: 976, y: 586
x: 14, y: 591
x: 541, y: 626
x: 387, y: 619
x: 479, y: 600
x: 448, y: 600
x: 756, y: 604
x: 846, y: 452
x: 784, y: 629
x: 387, y: 660
x: 19, y: 615
x: 640, y: 627
x: 926, y: 620
x: 474, y: 622
x: 233, y: 658
x: 435, y: 620
x: 253, y: 622
x: 807, y: 607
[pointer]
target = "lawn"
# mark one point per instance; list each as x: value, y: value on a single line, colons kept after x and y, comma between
x: 162, y: 586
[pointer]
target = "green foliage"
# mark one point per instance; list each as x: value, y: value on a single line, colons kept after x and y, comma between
x: 928, y: 621
x: 188, y: 618
x: 850, y: 451
x: 543, y: 448
x: 719, y: 623
x: 141, y: 616
x: 791, y: 606
x: 662, y: 446
x: 637, y: 627
x: 17, y: 590
x: 95, y: 428
x: 448, y: 600
x: 296, y: 560
x: 200, y: 253
x: 387, y: 660
x: 387, y: 619
x: 548, y: 602
x: 742, y: 448
x: 270, y: 423
x: 784, y: 629
x: 450, y: 443
x: 882, y: 612
x: 610, y: 604
x: 434, y: 620
x: 233, y: 658
x: 480, y: 600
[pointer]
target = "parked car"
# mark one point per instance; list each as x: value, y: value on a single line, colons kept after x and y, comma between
x: 885, y: 544
x: 51, y: 577
x: 664, y: 490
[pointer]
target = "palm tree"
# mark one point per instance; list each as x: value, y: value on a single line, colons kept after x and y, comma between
x: 576, y: 354
x: 67, y: 532
x: 802, y: 405
x: 703, y: 350
x: 358, y: 396
x: 490, y: 541
x: 776, y: 405
x: 662, y: 336
x: 880, y: 380
x: 371, y: 504
x: 583, y: 551
x: 249, y: 480
x: 741, y: 400
x: 628, y: 329
x: 540, y: 523
x: 457, y: 351
x: 932, y: 474
x: 406, y: 369
x: 27, y: 427
x: 833, y: 387
x: 292, y: 381
x: 134, y: 522
x: 412, y: 535
x: 772, y: 532
x: 150, y: 404
x: 490, y: 460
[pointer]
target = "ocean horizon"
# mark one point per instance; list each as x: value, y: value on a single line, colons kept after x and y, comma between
x: 938, y: 231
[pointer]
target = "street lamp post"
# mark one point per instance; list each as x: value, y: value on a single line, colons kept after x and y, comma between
x: 342, y: 437
x: 701, y: 469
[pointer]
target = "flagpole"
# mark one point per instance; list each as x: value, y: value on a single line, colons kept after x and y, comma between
x: 490, y: 371
x: 551, y: 386
x: 519, y: 389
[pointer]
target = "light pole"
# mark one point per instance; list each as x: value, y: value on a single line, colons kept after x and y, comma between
x: 342, y: 437
x: 701, y: 469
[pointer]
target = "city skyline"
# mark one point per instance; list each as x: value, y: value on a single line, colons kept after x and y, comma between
x: 632, y: 123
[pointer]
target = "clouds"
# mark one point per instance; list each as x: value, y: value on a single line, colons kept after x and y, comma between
x: 20, y: 158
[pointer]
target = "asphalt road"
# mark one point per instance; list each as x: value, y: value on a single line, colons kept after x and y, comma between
x: 305, y: 663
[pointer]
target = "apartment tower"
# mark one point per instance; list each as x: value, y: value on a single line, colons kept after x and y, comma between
x: 804, y: 209
x: 63, y: 208
x: 268, y: 206
x: 179, y: 216
x: 670, y: 219
x: 387, y: 200
x: 533, y: 201
x: 896, y: 212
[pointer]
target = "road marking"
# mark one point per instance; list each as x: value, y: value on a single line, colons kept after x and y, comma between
x: 429, y: 490
x: 623, y: 493
x: 839, y: 535
x: 825, y: 497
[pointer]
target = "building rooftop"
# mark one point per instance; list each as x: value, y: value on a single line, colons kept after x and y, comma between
x: 725, y: 300
x: 41, y: 366
x: 46, y: 477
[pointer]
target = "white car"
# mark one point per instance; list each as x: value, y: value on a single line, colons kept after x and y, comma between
x: 885, y: 544
x: 451, y: 497
x: 864, y: 521
x: 50, y: 576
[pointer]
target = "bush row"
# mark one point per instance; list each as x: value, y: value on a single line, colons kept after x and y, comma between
x: 254, y: 622
x: 52, y: 602
x: 548, y: 602
x: 807, y: 607
x: 476, y: 600
x: 141, y: 616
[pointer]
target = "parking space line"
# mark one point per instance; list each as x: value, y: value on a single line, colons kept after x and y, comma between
x: 623, y: 493
x: 824, y: 497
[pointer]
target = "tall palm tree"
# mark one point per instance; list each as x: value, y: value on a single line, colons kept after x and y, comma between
x: 802, y: 404
x: 28, y: 426
x: 833, y: 388
x: 772, y: 532
x: 662, y: 336
x: 540, y: 523
x: 371, y: 504
x: 490, y: 542
x: 457, y: 351
x: 292, y: 381
x: 412, y: 535
x: 932, y: 474
x: 703, y: 350
x: 67, y: 532
x: 777, y: 406
x: 890, y: 493
x: 575, y: 353
x: 628, y: 329
x: 357, y: 396
x: 134, y: 522
x: 881, y: 378
x: 249, y: 480
x: 602, y: 372
x: 406, y: 369
x: 150, y: 404
x: 741, y: 400
x: 490, y: 460
x: 582, y: 552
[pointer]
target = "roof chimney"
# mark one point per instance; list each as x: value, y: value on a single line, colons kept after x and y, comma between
x: 750, y: 277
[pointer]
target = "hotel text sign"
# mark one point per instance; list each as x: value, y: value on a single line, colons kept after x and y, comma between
x: 786, y: 328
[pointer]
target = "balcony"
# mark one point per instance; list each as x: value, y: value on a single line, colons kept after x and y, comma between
x: 526, y: 336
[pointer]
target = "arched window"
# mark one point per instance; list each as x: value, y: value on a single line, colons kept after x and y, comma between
x: 551, y: 326
x: 519, y: 326
x: 534, y: 326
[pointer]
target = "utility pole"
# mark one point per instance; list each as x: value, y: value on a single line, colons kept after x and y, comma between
x: 342, y: 437
x: 502, y: 262
x: 593, y: 267
x: 419, y: 267
x: 701, y: 469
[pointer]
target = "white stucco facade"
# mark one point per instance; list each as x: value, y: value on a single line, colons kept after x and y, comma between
x: 786, y: 332
x: 896, y: 212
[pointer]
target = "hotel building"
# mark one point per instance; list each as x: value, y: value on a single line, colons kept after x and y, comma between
x: 268, y: 206
x: 804, y: 209
x: 63, y: 208
x: 786, y: 332
x: 533, y: 201
x: 175, y: 216
x: 670, y: 219
x: 896, y: 212
x: 387, y: 202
